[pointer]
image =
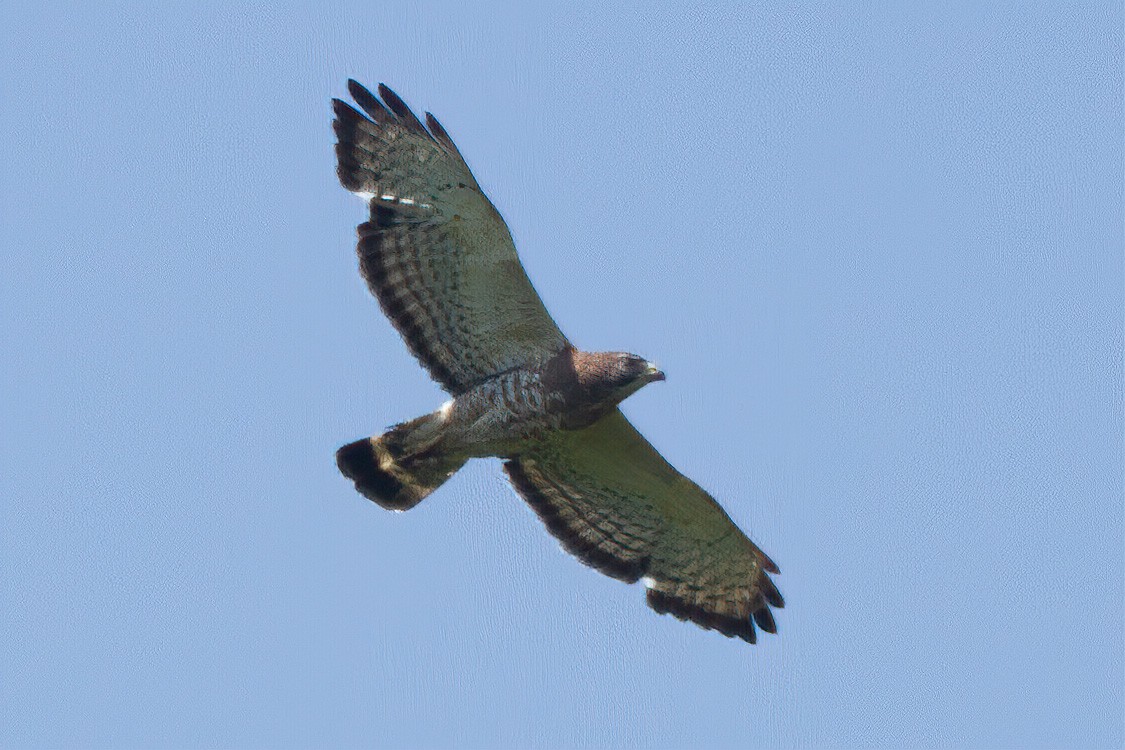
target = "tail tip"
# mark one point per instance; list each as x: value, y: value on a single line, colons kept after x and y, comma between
x: 359, y: 462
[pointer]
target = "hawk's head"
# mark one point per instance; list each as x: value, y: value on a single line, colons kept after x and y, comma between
x: 591, y: 384
x: 611, y: 377
x: 628, y: 372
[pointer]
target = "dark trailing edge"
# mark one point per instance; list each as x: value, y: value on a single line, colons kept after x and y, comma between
x: 589, y: 553
x: 632, y: 570
x: 357, y: 172
x: 395, y: 298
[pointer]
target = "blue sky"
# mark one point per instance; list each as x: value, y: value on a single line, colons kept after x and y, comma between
x: 878, y: 250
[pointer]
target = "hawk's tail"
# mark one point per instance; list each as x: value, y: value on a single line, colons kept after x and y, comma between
x: 399, y: 469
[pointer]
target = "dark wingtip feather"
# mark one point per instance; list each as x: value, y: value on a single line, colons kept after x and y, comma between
x: 348, y: 122
x: 766, y: 562
x: 367, y: 101
x: 750, y: 635
x: 773, y: 596
x: 393, y: 100
x: 357, y: 89
x: 731, y: 627
x: 398, y: 106
x: 433, y: 124
x: 439, y: 132
x: 765, y: 620
x: 345, y: 112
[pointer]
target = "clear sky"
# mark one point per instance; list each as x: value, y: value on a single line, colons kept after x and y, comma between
x: 878, y: 250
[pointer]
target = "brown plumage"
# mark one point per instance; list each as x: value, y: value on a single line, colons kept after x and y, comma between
x: 440, y: 260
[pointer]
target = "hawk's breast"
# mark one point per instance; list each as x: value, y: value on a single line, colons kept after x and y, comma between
x: 503, y: 412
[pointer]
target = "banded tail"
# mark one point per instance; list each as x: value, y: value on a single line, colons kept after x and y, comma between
x: 400, y: 468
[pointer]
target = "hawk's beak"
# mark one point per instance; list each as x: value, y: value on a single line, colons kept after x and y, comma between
x: 653, y: 373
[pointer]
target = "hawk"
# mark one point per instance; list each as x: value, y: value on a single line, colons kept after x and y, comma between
x: 440, y: 260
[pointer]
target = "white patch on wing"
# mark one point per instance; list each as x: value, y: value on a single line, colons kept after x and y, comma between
x: 445, y: 410
x: 649, y: 582
x: 366, y: 196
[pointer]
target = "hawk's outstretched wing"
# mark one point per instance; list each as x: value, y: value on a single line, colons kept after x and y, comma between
x: 435, y: 252
x: 618, y: 506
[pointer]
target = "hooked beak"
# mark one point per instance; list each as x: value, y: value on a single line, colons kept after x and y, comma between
x: 653, y: 373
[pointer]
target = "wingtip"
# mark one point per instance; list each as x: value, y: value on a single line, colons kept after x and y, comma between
x: 345, y: 111
x: 357, y: 89
x: 766, y: 563
x: 732, y: 627
x: 765, y: 620
x: 406, y: 118
x: 438, y: 132
x: 748, y: 633
x: 393, y: 100
x: 772, y: 595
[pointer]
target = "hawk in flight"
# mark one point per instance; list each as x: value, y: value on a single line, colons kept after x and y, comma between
x: 440, y: 260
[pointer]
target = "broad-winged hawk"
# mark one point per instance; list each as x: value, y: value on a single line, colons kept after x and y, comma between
x: 440, y: 260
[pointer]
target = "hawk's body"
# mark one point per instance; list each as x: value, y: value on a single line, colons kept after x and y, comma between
x: 439, y: 258
x: 504, y: 414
